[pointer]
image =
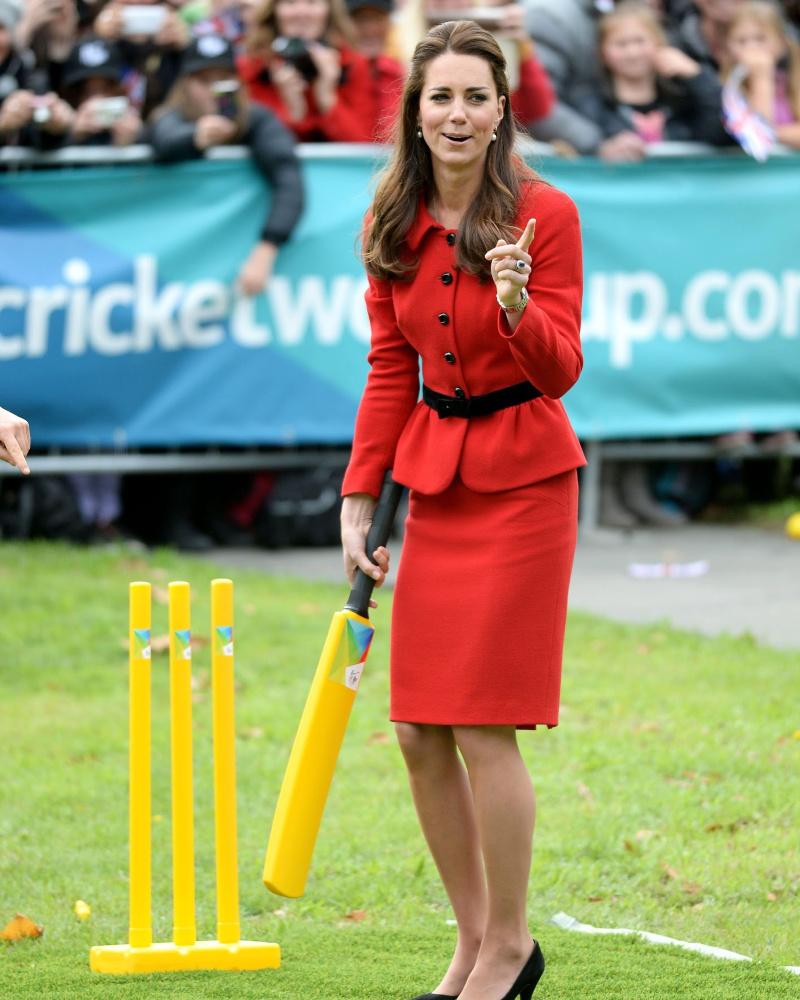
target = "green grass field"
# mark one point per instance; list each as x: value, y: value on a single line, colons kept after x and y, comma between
x: 668, y: 800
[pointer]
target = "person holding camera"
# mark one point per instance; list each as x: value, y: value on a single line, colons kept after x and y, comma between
x: 299, y: 63
x: 151, y: 37
x: 49, y: 29
x: 92, y: 84
x: 26, y: 118
x: 372, y: 22
x: 208, y: 107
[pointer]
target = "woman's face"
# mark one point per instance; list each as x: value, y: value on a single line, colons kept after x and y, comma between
x: 306, y: 19
x: 629, y: 49
x: 199, y: 90
x: 752, y: 36
x: 459, y: 109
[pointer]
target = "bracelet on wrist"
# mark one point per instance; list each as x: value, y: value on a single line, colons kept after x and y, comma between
x: 518, y: 306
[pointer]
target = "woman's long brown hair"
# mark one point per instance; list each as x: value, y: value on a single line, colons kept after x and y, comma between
x: 409, y: 173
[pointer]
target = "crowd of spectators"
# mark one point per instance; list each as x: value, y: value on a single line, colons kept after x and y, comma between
x: 591, y: 77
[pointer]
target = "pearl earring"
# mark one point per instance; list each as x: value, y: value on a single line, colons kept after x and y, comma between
x: 419, y: 133
x: 494, y: 136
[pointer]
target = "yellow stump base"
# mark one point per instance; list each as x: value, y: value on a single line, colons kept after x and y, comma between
x: 244, y: 956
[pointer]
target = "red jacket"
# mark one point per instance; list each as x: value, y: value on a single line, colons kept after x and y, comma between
x: 453, y: 322
x: 351, y: 119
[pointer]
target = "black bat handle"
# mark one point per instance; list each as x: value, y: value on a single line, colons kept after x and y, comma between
x: 378, y: 535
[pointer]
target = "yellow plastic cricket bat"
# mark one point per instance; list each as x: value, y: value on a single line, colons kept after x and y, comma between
x: 322, y: 726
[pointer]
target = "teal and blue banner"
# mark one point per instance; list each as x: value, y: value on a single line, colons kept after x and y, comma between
x: 120, y: 325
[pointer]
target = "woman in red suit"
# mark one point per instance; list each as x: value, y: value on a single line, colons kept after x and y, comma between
x: 490, y: 458
x: 299, y: 65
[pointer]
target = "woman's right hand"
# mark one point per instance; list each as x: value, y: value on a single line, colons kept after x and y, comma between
x: 357, y: 513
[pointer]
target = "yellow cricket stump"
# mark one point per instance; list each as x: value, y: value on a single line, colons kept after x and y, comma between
x: 184, y: 953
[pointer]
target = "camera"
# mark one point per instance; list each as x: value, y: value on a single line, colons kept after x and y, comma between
x: 41, y: 113
x: 225, y: 92
x: 295, y: 51
x: 107, y: 110
x: 143, y: 19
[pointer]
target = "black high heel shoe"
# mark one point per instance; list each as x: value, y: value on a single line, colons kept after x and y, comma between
x: 526, y: 981
x: 435, y: 996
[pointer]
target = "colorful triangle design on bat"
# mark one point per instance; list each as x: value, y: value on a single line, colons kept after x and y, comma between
x: 359, y: 640
x: 351, y: 653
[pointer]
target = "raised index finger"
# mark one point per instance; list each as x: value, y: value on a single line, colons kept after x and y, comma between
x: 527, y: 235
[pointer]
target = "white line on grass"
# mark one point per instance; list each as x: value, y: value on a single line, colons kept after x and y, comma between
x: 568, y: 923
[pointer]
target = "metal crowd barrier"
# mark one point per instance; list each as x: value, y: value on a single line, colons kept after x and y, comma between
x: 133, y: 462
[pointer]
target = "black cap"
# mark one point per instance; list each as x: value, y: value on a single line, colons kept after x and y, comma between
x: 92, y: 57
x: 208, y: 52
x: 387, y: 6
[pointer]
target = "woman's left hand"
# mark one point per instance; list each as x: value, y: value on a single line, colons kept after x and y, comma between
x: 509, y: 278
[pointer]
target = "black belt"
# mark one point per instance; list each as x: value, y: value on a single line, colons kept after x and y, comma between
x: 479, y: 406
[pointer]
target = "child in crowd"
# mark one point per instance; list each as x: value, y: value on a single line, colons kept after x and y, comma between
x: 758, y: 40
x: 372, y: 22
x: 207, y: 107
x: 92, y: 84
x: 301, y: 63
x: 651, y: 92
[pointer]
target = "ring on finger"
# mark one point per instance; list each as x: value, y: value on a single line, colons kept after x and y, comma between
x: 520, y: 265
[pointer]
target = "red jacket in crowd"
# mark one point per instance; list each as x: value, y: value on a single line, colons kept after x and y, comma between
x: 534, y: 97
x: 351, y: 119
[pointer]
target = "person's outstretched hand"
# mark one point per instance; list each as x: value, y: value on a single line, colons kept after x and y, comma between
x: 15, y: 440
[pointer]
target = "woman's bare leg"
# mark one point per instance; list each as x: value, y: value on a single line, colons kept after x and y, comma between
x: 505, y: 809
x: 443, y: 799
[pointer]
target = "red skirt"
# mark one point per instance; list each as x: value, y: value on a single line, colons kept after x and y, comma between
x: 480, y: 605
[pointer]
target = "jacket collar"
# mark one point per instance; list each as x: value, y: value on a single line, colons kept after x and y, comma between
x: 421, y: 226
